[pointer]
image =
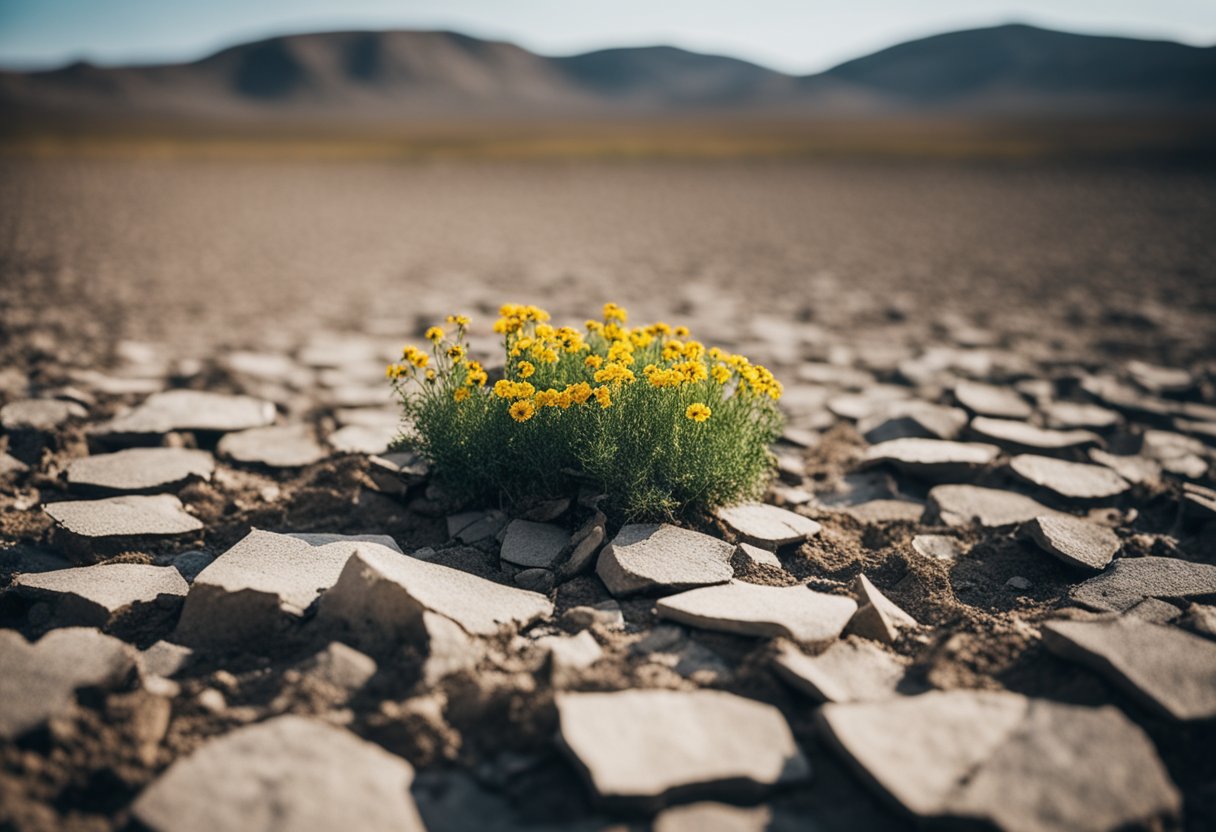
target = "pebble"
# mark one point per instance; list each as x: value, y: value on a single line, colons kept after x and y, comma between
x: 962, y: 505
x: 289, y: 772
x: 1004, y: 760
x: 534, y: 544
x: 10, y: 465
x: 1075, y: 541
x: 139, y: 470
x: 661, y: 558
x: 475, y: 526
x: 342, y: 667
x: 1070, y: 480
x: 39, y: 415
x: 767, y: 526
x: 756, y: 557
x: 362, y: 439
x: 257, y: 589
x: 97, y: 596
x: 1128, y: 581
x: 40, y: 680
x: 934, y: 459
x: 851, y: 670
x: 990, y: 400
x: 1165, y: 668
x: 876, y: 617
x: 280, y: 446
x: 1072, y: 415
x: 886, y: 511
x: 90, y: 521
x: 1023, y: 435
x: 394, y: 473
x: 381, y: 595
x: 571, y: 653
x: 1019, y: 582
x: 536, y: 579
x: 189, y: 410
x: 713, y: 817
x: 1157, y: 379
x: 938, y: 546
x: 164, y: 658
x: 605, y: 614
x: 641, y: 748
x: 449, y: 649
x: 795, y: 612
x: 1135, y: 469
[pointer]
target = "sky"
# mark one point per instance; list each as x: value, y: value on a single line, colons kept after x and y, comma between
x: 797, y: 36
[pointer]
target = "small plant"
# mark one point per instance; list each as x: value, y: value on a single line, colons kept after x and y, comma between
x: 645, y: 415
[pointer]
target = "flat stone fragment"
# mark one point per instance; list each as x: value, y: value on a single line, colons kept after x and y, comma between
x: 1158, y: 379
x: 1128, y: 581
x: 381, y: 596
x: 164, y: 658
x: 767, y: 526
x: 1073, y: 480
x: 1135, y: 469
x: 261, y: 585
x: 1073, y: 540
x: 157, y: 515
x: 281, y: 446
x: 190, y: 410
x: 1070, y: 415
x: 139, y: 470
x: 534, y: 544
x: 1021, y: 435
x: 661, y: 558
x: 808, y: 617
x: 646, y: 747
x: 990, y: 400
x: 96, y: 595
x: 907, y: 419
x: 1166, y: 668
x: 932, y: 458
x: 343, y: 667
x: 853, y: 670
x: 42, y: 415
x: 39, y: 680
x: 290, y: 772
x: 10, y: 465
x: 713, y: 817
x: 963, y: 505
x: 877, y: 617
x: 361, y: 439
x: 449, y: 649
x: 1018, y: 764
x: 755, y: 556
x: 938, y: 546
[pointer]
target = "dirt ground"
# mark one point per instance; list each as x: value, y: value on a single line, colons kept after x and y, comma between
x: 1056, y: 268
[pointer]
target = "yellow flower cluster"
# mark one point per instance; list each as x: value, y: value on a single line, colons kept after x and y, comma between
x: 698, y: 412
x: 514, y: 317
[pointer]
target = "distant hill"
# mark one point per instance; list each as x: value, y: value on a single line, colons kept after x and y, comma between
x: 422, y: 77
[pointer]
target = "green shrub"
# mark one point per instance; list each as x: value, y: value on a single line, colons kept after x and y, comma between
x: 654, y: 420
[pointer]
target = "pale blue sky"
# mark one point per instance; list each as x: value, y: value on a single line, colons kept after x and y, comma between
x: 799, y: 36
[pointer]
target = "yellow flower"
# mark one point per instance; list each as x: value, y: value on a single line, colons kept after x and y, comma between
x: 614, y: 373
x: 544, y: 354
x: 460, y: 320
x: 513, y: 389
x: 721, y: 373
x: 593, y: 362
x: 522, y: 411
x: 526, y: 369
x: 579, y: 392
x: 603, y: 397
x: 621, y: 352
x: 461, y: 394
x: 434, y: 334
x: 476, y: 374
x: 547, y: 398
x: 691, y: 371
x: 673, y: 350
x: 693, y: 350
x: 697, y: 412
x: 456, y: 352
x: 681, y: 332
x: 612, y: 312
x: 430, y: 375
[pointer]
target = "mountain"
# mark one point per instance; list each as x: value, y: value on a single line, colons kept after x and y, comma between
x: 418, y: 77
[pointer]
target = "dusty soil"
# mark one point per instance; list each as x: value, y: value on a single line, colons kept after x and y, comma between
x: 1063, y: 267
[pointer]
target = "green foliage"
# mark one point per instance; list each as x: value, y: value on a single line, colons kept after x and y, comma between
x: 654, y: 420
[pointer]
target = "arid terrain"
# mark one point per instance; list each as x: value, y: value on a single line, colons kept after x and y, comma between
x: 1002, y: 310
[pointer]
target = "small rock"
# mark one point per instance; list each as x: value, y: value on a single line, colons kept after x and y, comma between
x: 340, y: 666
x: 164, y: 659
x: 1070, y: 480
x: 1128, y: 581
x: 449, y: 649
x: 1075, y: 541
x: 1201, y: 618
x: 212, y: 700
x: 938, y: 546
x: 713, y: 817
x: 571, y: 653
x: 290, y: 772
x: 582, y: 558
x: 660, y: 558
x: 963, y: 505
x: 606, y: 614
x: 641, y: 747
x: 38, y: 415
x: 534, y: 544
x: 1165, y: 668
x: 1157, y: 379
x: 1071, y: 415
x: 1018, y: 582
x: 281, y: 446
x: 886, y: 511
x: 363, y: 439
x: 912, y: 419
x: 1155, y: 611
x: 395, y: 473
x: 98, y: 596
x: 536, y: 580
x: 767, y: 526
x: 40, y: 679
x: 475, y: 526
x: 989, y: 400
x: 853, y: 670
x: 139, y: 470
x: 1023, y: 435
x: 808, y: 617
x: 1135, y: 469
x: 876, y: 617
x: 85, y: 523
x: 755, y: 556
x: 933, y: 459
